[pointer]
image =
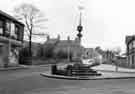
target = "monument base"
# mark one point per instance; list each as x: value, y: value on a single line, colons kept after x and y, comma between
x: 75, y: 70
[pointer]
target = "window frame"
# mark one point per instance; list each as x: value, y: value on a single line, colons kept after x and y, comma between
x: 3, y: 23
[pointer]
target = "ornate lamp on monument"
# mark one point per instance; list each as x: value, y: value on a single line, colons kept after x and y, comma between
x: 80, y: 27
x: 77, y: 69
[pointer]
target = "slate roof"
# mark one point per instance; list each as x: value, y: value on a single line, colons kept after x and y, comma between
x: 129, y: 38
x: 51, y: 41
x: 34, y: 44
x: 66, y: 43
x: 10, y: 17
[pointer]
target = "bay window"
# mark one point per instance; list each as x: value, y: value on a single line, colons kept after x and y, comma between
x: 1, y: 27
x: 130, y: 46
x: 17, y: 31
x: 7, y: 29
x: 134, y: 44
x: 13, y: 32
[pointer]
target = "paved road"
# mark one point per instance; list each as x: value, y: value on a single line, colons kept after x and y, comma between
x: 29, y: 81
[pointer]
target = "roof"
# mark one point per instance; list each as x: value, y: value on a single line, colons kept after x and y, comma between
x: 122, y: 57
x: 67, y: 43
x: 10, y: 17
x: 26, y: 43
x: 62, y: 43
x: 51, y: 41
x: 90, y: 49
x: 129, y: 38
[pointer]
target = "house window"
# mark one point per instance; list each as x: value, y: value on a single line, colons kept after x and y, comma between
x: 87, y: 53
x: 1, y: 50
x: 134, y: 44
x: 132, y: 60
x: 7, y: 29
x: 1, y: 27
x: 17, y: 32
x: 130, y: 46
x: 13, y: 32
x: 128, y: 60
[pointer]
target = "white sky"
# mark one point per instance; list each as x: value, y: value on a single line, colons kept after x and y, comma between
x: 106, y: 22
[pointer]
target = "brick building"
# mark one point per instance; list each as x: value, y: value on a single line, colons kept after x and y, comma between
x: 130, y: 45
x: 11, y: 38
x: 68, y: 46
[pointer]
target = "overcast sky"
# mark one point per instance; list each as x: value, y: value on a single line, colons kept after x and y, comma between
x: 105, y: 22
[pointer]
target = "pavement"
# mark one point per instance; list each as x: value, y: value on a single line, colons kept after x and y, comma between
x: 101, y: 67
x: 107, y: 71
x: 14, y: 68
x: 29, y: 81
x: 17, y: 67
x: 112, y: 68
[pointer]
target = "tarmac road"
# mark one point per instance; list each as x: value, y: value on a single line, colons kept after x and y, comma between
x: 29, y: 81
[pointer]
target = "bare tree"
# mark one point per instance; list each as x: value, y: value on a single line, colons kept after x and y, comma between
x: 33, y: 20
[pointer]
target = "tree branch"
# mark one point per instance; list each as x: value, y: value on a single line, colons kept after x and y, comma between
x: 31, y: 16
x: 26, y: 22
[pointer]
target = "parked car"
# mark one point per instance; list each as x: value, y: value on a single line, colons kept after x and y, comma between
x: 91, y: 61
x: 88, y: 61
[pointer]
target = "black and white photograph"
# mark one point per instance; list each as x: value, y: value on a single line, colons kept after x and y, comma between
x: 67, y: 46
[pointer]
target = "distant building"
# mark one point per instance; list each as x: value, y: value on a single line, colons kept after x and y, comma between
x: 107, y: 55
x: 130, y: 45
x: 121, y: 60
x: 68, y: 46
x: 91, y: 53
x: 11, y: 38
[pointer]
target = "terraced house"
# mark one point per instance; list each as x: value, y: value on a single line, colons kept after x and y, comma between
x: 73, y: 48
x: 11, y: 39
x: 130, y: 43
